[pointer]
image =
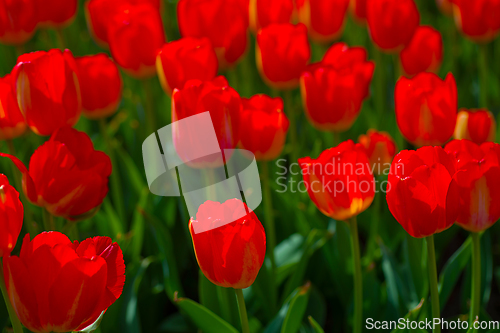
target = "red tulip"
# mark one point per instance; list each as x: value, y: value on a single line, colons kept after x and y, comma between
x: 263, y: 126
x: 66, y: 175
x: 101, y: 85
x: 380, y: 149
x: 185, y: 59
x: 283, y: 52
x: 56, y: 285
x: 426, y: 108
x: 11, y: 216
x: 478, y: 176
x: 424, y: 53
x: 47, y: 90
x: 421, y: 193
x: 224, y: 22
x: 324, y: 18
x: 135, y: 35
x: 478, y: 19
x: 392, y: 23
x: 12, y: 123
x: 56, y: 13
x: 334, y: 89
x: 18, y: 21
x: 477, y: 125
x: 267, y: 12
x: 339, y: 181
x: 229, y: 243
x: 358, y: 10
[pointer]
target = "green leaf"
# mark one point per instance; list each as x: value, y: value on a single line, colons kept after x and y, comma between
x: 137, y: 228
x: 316, y: 327
x: 411, y: 315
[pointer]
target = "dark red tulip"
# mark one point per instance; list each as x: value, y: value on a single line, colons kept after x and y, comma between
x: 283, y: 52
x: 380, y: 149
x: 66, y: 175
x: 426, y: 108
x: 56, y: 13
x: 100, y: 84
x: 421, y: 193
x: 334, y: 89
x: 358, y: 10
x: 478, y: 19
x: 18, y: 20
x: 392, y: 23
x: 265, y: 12
x: 224, y: 22
x: 56, y: 285
x: 424, y: 53
x: 263, y: 126
x: 477, y: 125
x: 186, y: 59
x: 12, y: 123
x: 324, y: 18
x: 478, y: 176
x: 11, y: 216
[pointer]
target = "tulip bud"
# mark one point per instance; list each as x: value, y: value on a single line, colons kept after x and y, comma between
x: 56, y: 13
x: 380, y: 149
x: 266, y: 12
x: 11, y: 216
x: 477, y: 125
x: 12, y: 123
x: 18, y: 21
x: 478, y: 20
x: 424, y: 53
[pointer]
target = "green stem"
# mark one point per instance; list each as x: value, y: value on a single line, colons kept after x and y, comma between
x: 483, y: 75
x: 290, y: 111
x: 476, y: 278
x: 433, y: 283
x: 48, y: 221
x: 358, y: 282
x: 379, y: 84
x: 60, y: 38
x: 14, y: 320
x: 245, y: 328
x: 336, y: 139
x: 149, y: 110
x: 224, y: 303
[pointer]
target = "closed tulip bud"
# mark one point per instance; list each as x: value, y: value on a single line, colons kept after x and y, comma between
x: 426, y: 108
x: 186, y: 59
x: 424, y: 53
x: 392, y: 23
x: 229, y: 243
x: 380, y: 149
x: 56, y: 13
x: 283, y: 52
x: 324, y: 18
x: 56, y: 285
x: 334, y: 89
x: 18, y: 21
x: 47, y: 89
x: 11, y: 216
x: 263, y: 127
x: 477, y: 176
x: 12, y: 123
x: 66, y: 175
x: 265, y: 12
x: 100, y: 84
x: 477, y: 125
x: 224, y: 22
x: 358, y: 10
x: 478, y: 20
x: 135, y: 35
x: 421, y: 193
x: 339, y: 181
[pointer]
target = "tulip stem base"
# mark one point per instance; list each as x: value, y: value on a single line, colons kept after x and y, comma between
x: 14, y: 320
x: 48, y: 221
x: 245, y: 328
x: 476, y: 278
x: 433, y: 282
x: 358, y: 282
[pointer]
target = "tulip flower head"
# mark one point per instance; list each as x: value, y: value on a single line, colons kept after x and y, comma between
x: 265, y: 12
x: 18, y: 20
x: 56, y: 285
x: 11, y: 216
x: 56, y: 13
x: 358, y: 10
x: 12, y: 123
x: 478, y: 20
x: 424, y: 53
x: 380, y: 149
x: 476, y: 125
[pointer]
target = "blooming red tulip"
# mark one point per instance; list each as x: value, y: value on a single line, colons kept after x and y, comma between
x: 424, y: 53
x: 392, y: 23
x: 135, y: 35
x: 380, y: 149
x: 358, y: 10
x: 56, y: 13
x: 224, y: 22
x: 421, y: 193
x: 12, y: 123
x: 426, y: 108
x: 478, y: 19
x: 101, y: 85
x: 56, y: 285
x: 263, y: 126
x: 231, y: 254
x: 11, y: 216
x: 66, y: 175
x: 334, y: 89
x: 478, y: 176
x: 185, y: 59
x: 266, y: 12
x: 283, y: 52
x: 18, y: 21
x: 340, y: 181
x: 476, y: 125
x: 48, y: 91
x: 324, y: 18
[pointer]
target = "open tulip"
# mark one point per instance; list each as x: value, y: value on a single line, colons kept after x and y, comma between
x: 12, y: 123
x: 56, y: 285
x: 186, y: 59
x: 424, y: 53
x: 265, y: 12
x: 380, y: 149
x: 477, y: 125
x: 18, y: 20
x: 48, y: 90
x: 56, y: 13
x: 324, y: 18
x: 11, y: 216
x: 426, y: 108
x: 66, y: 175
x: 479, y: 19
x: 358, y: 10
x: 229, y: 243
